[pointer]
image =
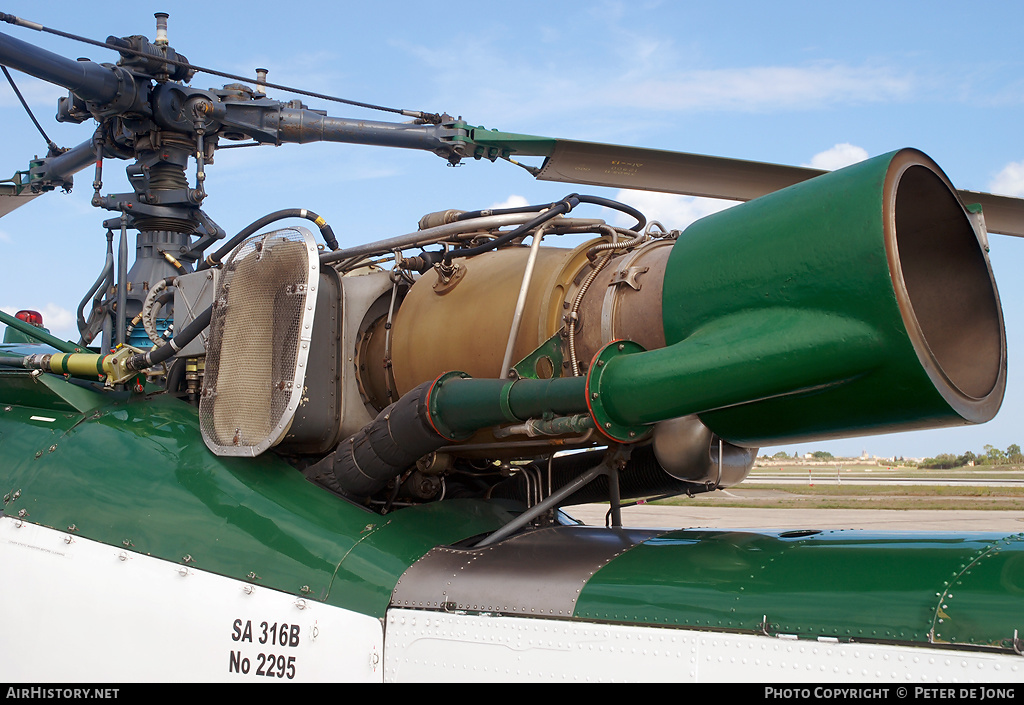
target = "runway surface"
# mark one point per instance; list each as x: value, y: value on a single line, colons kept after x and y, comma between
x: 652, y: 516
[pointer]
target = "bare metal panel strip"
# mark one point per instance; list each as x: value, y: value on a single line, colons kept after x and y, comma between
x: 537, y: 573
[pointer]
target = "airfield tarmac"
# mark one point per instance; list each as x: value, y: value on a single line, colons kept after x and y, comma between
x: 708, y: 516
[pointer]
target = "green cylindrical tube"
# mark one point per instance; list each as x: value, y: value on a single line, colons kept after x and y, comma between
x: 460, y: 405
x: 857, y: 302
x: 86, y: 365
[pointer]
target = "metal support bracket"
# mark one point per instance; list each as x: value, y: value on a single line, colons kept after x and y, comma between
x: 613, y: 460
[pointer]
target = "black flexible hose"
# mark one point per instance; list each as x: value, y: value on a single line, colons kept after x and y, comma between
x: 325, y: 230
x: 400, y: 435
x: 175, y: 376
x: 469, y: 215
x: 594, y: 200
x: 563, y: 206
x: 641, y: 221
x: 158, y: 355
x: 553, y: 210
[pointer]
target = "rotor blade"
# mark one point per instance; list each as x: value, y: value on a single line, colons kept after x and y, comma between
x: 1003, y: 214
x: 10, y: 199
x: 717, y: 177
x: 672, y: 172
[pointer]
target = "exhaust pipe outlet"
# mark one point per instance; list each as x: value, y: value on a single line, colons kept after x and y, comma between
x: 858, y: 302
x: 688, y: 450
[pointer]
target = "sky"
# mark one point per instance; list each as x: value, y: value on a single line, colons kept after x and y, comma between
x: 805, y: 83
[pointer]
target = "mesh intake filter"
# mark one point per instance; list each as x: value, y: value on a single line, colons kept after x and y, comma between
x: 260, y: 334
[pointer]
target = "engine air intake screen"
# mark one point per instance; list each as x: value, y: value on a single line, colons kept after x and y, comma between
x: 259, y: 342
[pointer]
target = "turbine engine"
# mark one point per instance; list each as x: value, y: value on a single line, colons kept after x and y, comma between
x: 861, y: 301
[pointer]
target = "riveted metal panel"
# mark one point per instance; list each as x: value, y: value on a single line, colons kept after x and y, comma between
x: 846, y: 585
x: 980, y: 603
x: 537, y: 573
x: 471, y: 648
x: 152, y: 620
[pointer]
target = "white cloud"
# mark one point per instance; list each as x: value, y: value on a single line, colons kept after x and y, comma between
x: 766, y: 88
x: 57, y: 319
x: 654, y: 78
x: 39, y: 94
x: 843, y: 154
x: 671, y: 210
x: 1009, y: 181
x: 512, y: 201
